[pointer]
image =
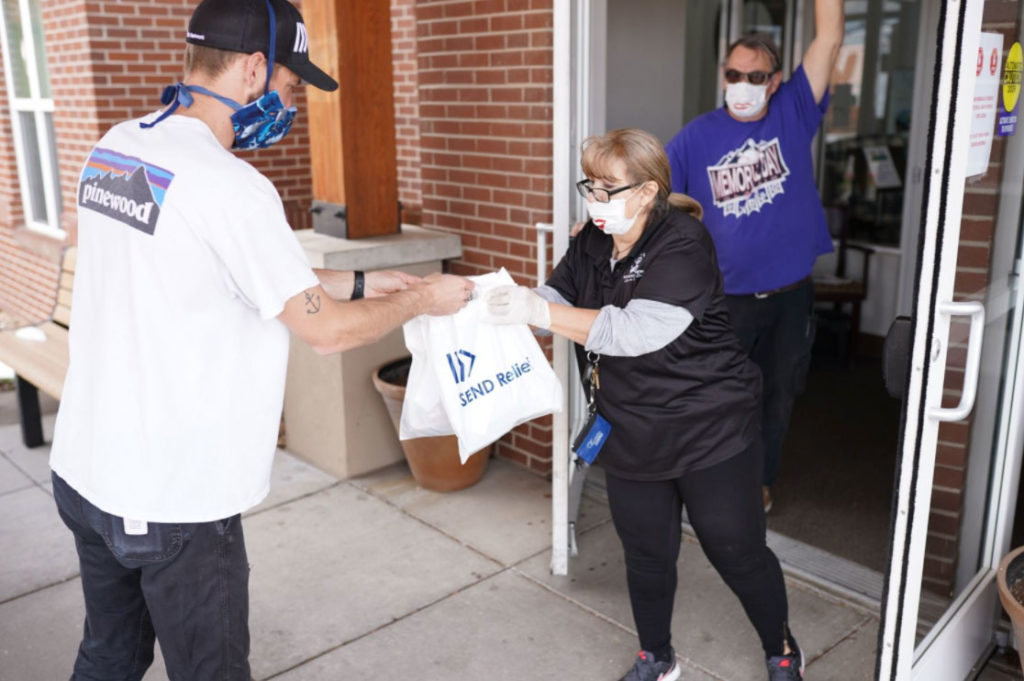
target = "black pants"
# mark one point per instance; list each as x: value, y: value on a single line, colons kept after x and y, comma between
x: 186, y: 584
x: 778, y: 334
x: 724, y: 507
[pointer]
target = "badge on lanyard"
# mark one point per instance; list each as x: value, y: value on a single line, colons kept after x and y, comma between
x: 595, y: 431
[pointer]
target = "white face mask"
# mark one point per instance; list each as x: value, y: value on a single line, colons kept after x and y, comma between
x: 610, y: 217
x: 745, y: 100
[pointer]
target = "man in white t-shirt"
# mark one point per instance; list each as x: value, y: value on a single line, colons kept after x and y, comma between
x: 188, y: 282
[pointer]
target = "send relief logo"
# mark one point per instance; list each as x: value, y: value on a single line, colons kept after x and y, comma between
x: 124, y: 188
x: 461, y: 363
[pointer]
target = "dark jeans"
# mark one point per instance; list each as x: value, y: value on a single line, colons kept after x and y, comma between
x: 723, y: 503
x: 777, y: 332
x: 186, y: 584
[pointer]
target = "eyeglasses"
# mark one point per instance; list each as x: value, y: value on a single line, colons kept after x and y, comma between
x: 752, y: 77
x: 587, y: 189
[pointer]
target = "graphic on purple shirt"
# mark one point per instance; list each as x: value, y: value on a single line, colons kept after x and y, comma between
x: 746, y: 179
x: 756, y: 183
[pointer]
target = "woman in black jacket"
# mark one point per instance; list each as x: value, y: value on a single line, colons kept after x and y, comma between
x: 640, y: 293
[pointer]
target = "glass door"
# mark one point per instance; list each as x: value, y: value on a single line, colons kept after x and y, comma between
x: 774, y: 18
x: 869, y: 122
x: 961, y: 444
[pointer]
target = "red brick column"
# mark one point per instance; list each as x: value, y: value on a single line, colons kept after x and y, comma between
x: 485, y: 98
x: 407, y: 125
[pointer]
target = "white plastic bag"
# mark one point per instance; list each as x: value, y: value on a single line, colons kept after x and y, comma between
x: 474, y: 379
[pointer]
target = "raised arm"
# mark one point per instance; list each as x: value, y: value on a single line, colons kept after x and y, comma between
x: 824, y: 49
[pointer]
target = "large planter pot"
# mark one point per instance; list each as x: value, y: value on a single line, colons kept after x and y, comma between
x: 1010, y: 580
x: 434, y: 461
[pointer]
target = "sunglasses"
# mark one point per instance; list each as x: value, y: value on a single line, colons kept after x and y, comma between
x: 753, y: 77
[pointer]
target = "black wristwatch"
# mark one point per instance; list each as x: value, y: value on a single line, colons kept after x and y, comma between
x: 357, y: 286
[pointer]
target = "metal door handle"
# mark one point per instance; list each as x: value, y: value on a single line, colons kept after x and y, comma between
x: 976, y: 311
x: 542, y: 250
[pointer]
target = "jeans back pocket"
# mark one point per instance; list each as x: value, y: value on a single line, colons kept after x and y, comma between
x: 162, y: 541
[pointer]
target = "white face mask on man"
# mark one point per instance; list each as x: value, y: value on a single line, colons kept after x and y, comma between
x: 610, y: 217
x: 745, y: 100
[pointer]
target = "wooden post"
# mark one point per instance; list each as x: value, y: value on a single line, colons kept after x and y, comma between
x: 352, y: 130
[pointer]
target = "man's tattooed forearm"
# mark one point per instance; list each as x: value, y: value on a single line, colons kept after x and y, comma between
x: 312, y: 303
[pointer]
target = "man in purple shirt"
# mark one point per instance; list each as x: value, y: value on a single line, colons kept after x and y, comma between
x: 749, y: 165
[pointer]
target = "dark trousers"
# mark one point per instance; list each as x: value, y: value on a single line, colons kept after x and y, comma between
x: 777, y: 332
x: 185, y: 584
x: 723, y: 503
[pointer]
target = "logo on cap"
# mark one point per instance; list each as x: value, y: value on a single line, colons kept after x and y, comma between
x: 301, y: 39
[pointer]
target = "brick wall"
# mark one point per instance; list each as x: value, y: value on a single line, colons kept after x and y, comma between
x: 485, y: 97
x: 109, y: 61
x: 974, y: 255
x: 407, y: 126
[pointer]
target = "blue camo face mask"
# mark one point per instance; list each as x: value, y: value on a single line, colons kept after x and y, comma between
x: 262, y: 123
x: 257, y: 125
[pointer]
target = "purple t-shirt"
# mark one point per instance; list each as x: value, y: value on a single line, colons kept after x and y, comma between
x: 756, y: 183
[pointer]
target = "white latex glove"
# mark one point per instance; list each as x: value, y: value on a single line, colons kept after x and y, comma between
x: 516, y: 305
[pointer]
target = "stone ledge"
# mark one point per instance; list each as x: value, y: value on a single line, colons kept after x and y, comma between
x: 393, y: 251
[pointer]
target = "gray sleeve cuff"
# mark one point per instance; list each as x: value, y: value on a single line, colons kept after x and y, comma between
x: 551, y: 295
x: 642, y: 326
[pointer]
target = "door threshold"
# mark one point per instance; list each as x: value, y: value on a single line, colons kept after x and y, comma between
x: 829, y: 572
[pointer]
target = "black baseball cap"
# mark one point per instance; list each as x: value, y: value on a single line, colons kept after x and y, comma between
x: 244, y: 26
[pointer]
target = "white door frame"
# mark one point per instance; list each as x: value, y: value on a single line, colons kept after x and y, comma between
x: 561, y: 150
x: 579, y: 95
x: 962, y: 634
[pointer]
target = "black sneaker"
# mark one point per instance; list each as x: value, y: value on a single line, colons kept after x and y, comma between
x: 646, y: 668
x: 786, y: 667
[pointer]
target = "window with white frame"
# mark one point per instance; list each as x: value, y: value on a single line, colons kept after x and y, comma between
x: 28, y: 91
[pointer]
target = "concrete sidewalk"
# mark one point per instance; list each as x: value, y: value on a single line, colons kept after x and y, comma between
x: 377, y: 578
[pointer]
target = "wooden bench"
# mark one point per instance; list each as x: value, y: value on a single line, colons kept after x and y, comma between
x: 41, y: 364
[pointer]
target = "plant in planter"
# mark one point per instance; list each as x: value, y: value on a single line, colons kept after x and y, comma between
x: 434, y: 461
x: 1010, y: 581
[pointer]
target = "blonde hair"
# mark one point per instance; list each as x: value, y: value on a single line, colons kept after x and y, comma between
x: 645, y: 161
